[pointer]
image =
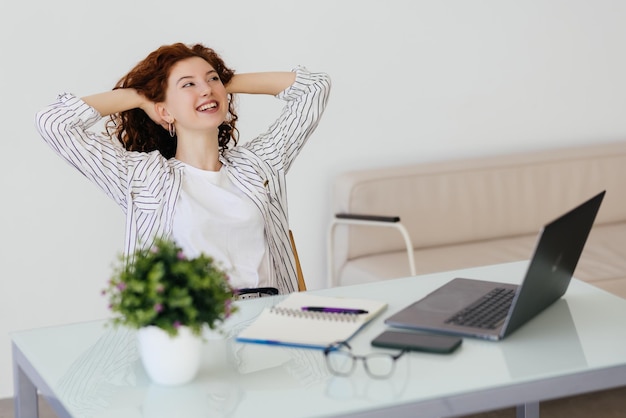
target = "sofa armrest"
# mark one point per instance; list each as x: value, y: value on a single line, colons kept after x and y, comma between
x: 361, y: 217
x: 366, y: 220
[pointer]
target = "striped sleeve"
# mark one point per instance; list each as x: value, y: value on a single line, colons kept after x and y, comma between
x: 64, y: 126
x: 305, y: 100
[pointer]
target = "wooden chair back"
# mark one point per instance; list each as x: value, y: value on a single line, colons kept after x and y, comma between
x: 301, y: 283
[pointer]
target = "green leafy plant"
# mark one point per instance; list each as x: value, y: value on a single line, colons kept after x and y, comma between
x: 160, y: 286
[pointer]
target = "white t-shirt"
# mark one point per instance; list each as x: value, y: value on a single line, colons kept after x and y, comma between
x: 212, y: 216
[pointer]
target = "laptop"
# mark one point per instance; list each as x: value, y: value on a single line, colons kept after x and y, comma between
x: 459, y: 307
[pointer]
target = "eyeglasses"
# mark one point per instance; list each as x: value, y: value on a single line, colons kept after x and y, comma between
x: 341, y: 362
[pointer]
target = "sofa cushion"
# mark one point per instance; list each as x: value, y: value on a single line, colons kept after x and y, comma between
x: 603, y: 262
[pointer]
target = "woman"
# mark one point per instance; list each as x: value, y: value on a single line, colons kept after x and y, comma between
x: 173, y: 164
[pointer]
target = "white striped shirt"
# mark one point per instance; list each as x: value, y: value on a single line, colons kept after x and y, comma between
x: 146, y: 185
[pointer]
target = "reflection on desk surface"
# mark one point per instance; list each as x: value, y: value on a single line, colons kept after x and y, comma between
x: 109, y: 375
x: 550, y: 340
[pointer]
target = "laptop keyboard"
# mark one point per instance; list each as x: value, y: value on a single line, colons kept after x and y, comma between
x: 487, y: 312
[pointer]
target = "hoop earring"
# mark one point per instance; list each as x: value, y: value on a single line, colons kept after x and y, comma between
x: 172, y: 129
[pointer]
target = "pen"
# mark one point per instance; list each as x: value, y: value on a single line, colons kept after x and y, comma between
x: 334, y: 310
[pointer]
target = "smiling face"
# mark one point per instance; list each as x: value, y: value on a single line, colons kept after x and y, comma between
x: 196, y: 99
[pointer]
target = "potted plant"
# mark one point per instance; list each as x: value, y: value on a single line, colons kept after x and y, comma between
x: 169, y: 299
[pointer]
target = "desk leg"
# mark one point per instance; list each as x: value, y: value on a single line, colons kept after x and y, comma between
x: 25, y: 399
x: 528, y: 410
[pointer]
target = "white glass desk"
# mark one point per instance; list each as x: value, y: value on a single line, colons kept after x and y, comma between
x: 577, y: 345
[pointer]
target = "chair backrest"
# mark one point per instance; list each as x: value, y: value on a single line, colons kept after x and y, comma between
x: 301, y: 283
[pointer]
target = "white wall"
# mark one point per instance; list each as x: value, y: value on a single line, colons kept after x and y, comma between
x: 413, y: 80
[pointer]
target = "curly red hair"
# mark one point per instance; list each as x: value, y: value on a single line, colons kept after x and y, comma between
x: 135, y: 129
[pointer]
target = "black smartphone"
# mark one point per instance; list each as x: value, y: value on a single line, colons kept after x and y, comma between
x: 418, y: 341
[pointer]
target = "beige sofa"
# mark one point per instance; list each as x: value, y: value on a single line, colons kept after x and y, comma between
x: 478, y: 211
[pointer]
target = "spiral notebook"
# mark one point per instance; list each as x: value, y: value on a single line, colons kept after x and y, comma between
x: 288, y: 323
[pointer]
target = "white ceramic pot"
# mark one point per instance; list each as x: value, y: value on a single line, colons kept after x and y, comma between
x: 169, y: 360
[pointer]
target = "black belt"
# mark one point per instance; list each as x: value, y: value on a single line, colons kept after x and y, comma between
x: 256, y: 292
